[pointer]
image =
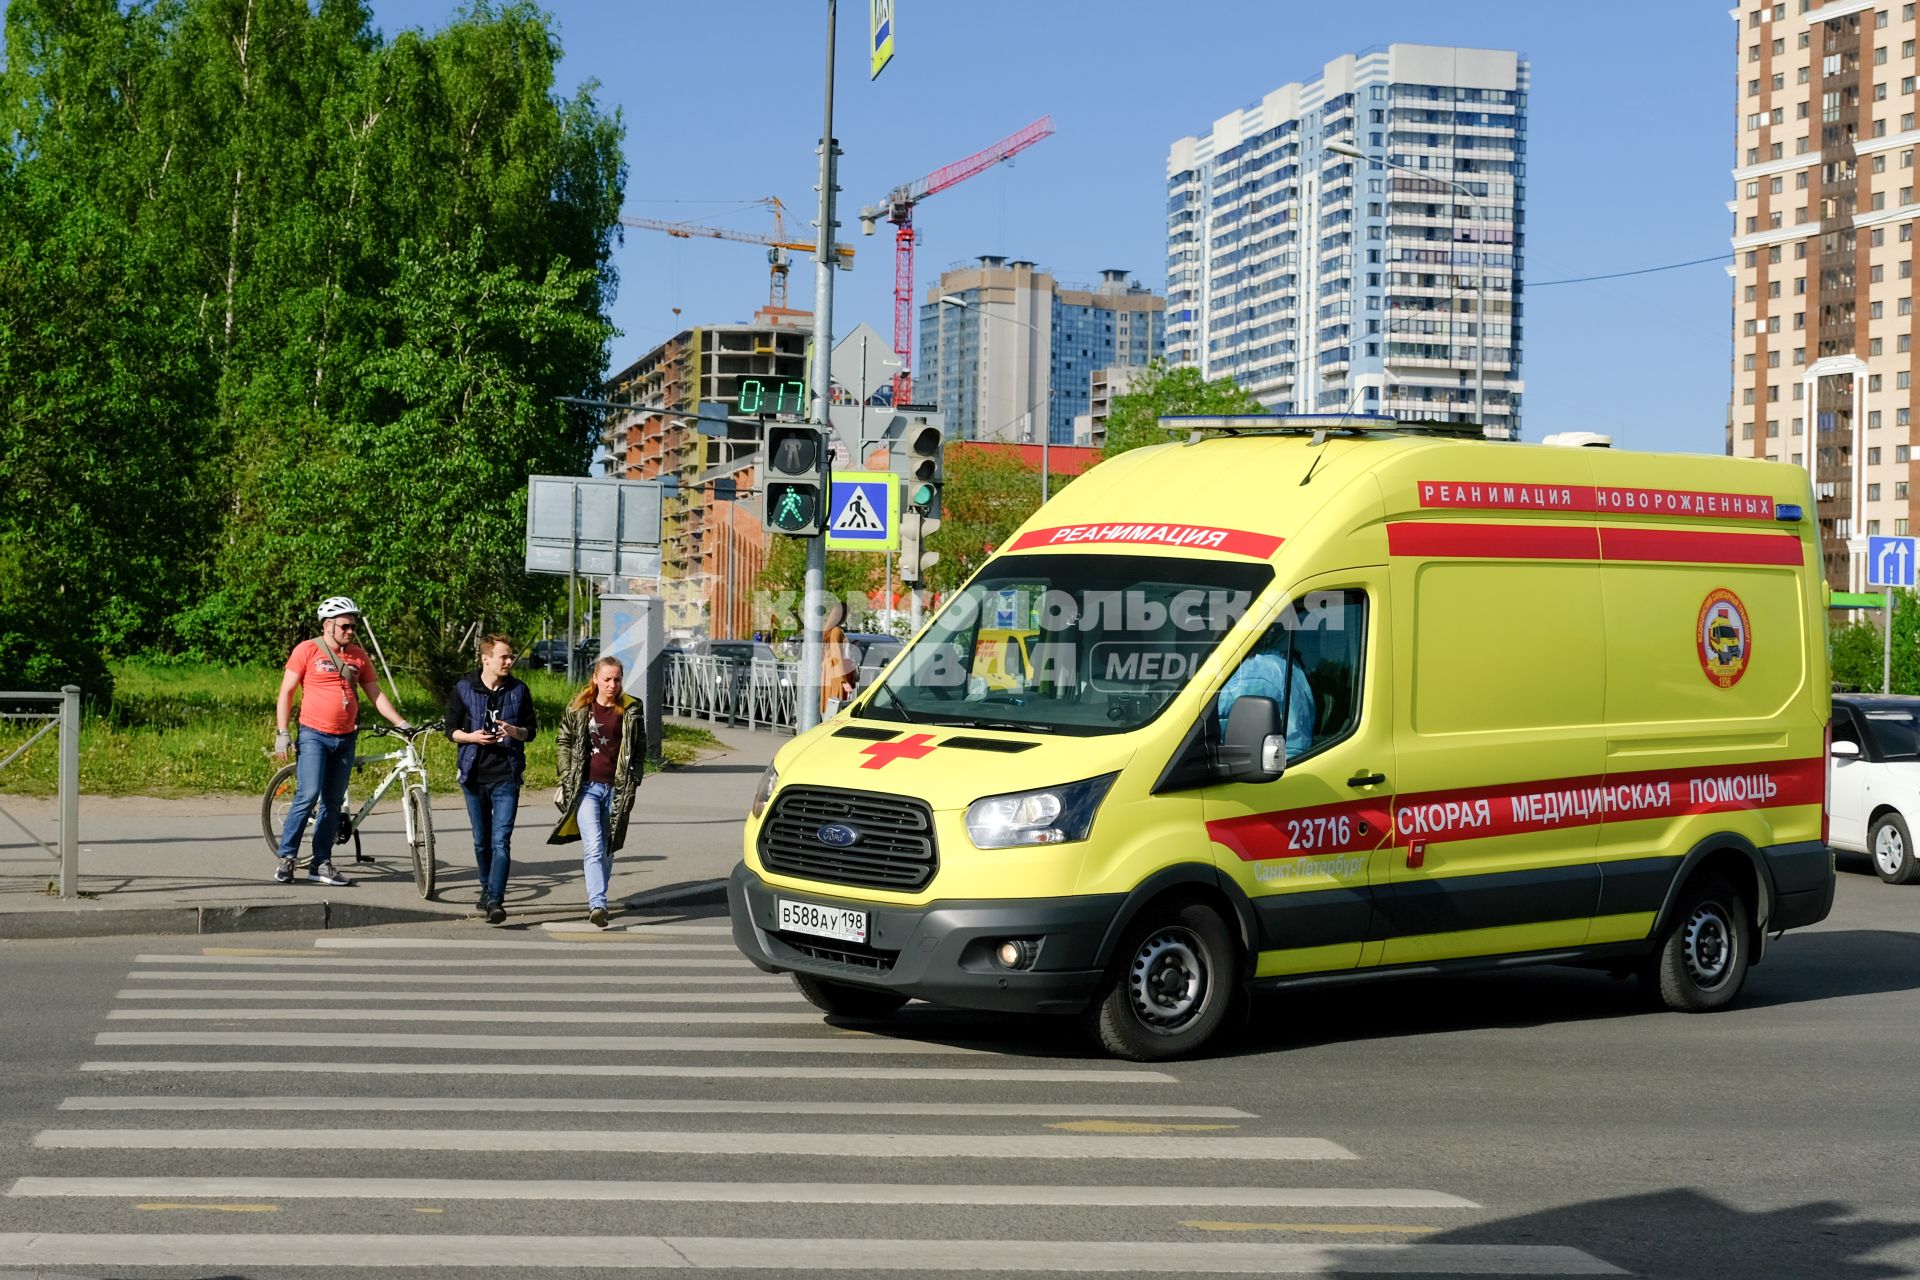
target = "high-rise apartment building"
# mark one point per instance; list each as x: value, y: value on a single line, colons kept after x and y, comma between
x: 1824, y: 288
x: 1016, y: 353
x: 1324, y: 284
x: 711, y: 549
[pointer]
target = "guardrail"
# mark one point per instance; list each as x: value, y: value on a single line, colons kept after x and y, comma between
x: 761, y: 693
x: 66, y: 718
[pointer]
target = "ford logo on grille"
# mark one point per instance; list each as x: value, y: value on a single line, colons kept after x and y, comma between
x: 837, y: 834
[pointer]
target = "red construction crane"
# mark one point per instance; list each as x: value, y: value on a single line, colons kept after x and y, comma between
x: 777, y: 243
x: 898, y: 209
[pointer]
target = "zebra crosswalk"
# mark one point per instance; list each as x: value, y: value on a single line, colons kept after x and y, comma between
x: 638, y: 1101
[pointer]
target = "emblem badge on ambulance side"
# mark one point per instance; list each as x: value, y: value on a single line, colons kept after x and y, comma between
x: 837, y: 834
x: 1723, y: 638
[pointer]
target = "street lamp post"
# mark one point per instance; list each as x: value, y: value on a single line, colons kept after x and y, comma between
x: 1352, y: 152
x: 1046, y: 435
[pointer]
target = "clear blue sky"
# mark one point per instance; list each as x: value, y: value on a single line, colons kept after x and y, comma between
x: 1629, y: 148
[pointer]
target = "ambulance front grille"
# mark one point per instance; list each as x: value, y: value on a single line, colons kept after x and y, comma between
x: 893, y: 848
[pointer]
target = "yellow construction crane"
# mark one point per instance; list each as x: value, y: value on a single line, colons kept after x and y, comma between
x: 777, y: 245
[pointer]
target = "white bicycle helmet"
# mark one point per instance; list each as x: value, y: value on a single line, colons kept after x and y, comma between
x: 337, y: 607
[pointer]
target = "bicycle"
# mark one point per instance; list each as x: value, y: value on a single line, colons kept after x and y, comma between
x: 409, y: 770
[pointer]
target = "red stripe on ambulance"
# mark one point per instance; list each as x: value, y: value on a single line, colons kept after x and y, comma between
x: 1521, y: 808
x: 1586, y: 542
x: 1240, y: 542
x: 1353, y: 827
x: 1495, y: 541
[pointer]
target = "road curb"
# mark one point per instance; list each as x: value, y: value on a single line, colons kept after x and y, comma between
x: 236, y: 917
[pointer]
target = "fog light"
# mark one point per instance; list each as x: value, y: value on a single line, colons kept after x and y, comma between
x: 1017, y: 953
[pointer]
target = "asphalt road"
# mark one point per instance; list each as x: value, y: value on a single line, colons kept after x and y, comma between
x: 442, y: 1100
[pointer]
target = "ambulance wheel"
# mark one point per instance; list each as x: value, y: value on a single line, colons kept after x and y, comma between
x: 1702, y: 959
x: 1170, y: 988
x: 1892, y: 846
x: 846, y: 1000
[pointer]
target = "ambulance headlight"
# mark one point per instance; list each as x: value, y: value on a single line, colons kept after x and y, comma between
x: 764, y: 792
x: 1053, y: 815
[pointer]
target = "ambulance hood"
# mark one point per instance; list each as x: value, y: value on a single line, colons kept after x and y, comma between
x: 948, y: 767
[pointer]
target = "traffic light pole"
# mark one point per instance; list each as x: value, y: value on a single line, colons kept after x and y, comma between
x: 815, y: 605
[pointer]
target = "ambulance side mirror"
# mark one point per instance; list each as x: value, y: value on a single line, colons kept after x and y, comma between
x: 1254, y: 749
x: 1846, y: 750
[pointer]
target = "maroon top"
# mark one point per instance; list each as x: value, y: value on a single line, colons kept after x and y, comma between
x: 603, y: 742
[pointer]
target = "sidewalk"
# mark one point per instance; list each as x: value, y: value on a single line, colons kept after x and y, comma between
x: 201, y: 864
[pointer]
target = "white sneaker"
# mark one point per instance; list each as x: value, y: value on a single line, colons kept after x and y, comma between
x: 325, y: 874
x: 283, y: 871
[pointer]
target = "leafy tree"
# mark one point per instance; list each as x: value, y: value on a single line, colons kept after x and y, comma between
x: 988, y: 494
x: 285, y: 310
x: 1858, y: 649
x: 1160, y: 390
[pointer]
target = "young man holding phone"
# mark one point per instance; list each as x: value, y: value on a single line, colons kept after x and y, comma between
x: 490, y: 717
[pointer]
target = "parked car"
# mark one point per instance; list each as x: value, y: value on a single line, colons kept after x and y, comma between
x: 551, y: 655
x: 1874, y: 781
x: 547, y: 655
x: 872, y: 651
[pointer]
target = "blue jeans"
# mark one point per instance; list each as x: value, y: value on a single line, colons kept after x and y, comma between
x: 325, y: 763
x: 491, y: 808
x: 596, y: 809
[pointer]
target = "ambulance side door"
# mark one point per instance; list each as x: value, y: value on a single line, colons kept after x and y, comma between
x: 1499, y: 654
x: 1301, y: 846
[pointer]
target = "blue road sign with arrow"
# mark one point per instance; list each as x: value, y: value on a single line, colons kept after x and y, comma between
x: 1891, y: 562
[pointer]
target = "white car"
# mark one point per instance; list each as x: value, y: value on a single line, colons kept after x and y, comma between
x: 1874, y: 781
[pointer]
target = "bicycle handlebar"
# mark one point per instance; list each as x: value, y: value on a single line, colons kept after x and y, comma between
x: 394, y: 731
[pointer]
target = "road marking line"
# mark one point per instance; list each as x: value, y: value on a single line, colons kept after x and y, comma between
x: 844, y: 1257
x: 789, y: 996
x: 681, y: 1142
x: 526, y: 1044
x: 1133, y: 1126
x: 478, y: 944
x: 1336, y: 1228
x: 581, y: 926
x: 420, y: 1209
x: 489, y: 980
x: 211, y: 1208
x: 689, y: 1071
x: 699, y: 1192
x: 630, y: 1017
x: 640, y: 964
x: 635, y: 1106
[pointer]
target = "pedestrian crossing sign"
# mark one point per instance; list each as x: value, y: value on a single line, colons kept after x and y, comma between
x: 863, y: 511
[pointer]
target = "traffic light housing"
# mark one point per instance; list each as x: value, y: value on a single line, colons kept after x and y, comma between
x: 926, y: 467
x: 915, y: 559
x: 794, y: 482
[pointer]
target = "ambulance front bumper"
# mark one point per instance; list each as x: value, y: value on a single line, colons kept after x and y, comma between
x: 943, y: 952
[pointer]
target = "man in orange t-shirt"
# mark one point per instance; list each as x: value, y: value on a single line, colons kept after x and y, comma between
x: 330, y: 672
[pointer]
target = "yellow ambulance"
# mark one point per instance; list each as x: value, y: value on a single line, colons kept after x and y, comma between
x: 1311, y: 699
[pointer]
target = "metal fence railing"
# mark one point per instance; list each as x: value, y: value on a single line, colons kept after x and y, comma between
x: 64, y: 715
x: 761, y: 694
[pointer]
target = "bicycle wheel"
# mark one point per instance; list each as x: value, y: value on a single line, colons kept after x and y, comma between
x: 279, y: 799
x: 420, y: 838
x: 275, y: 803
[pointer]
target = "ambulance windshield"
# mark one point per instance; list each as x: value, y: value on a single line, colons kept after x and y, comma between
x: 1068, y: 643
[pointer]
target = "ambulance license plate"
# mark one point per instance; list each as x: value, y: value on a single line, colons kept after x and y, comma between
x: 840, y: 923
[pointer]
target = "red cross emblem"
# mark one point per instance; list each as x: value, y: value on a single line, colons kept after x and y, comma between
x: 885, y: 753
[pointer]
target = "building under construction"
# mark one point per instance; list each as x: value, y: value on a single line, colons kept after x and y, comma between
x: 712, y: 548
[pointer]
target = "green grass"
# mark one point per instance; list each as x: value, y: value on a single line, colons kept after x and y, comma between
x: 187, y: 730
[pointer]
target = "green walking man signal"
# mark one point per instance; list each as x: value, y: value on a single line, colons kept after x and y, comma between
x: 795, y: 487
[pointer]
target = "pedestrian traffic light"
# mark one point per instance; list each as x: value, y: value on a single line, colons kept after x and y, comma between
x: 795, y: 487
x: 926, y: 467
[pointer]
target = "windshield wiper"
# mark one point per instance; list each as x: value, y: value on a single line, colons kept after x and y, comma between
x: 898, y: 705
x: 1007, y: 726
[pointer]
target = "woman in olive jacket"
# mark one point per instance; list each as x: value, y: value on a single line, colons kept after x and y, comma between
x: 593, y: 809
